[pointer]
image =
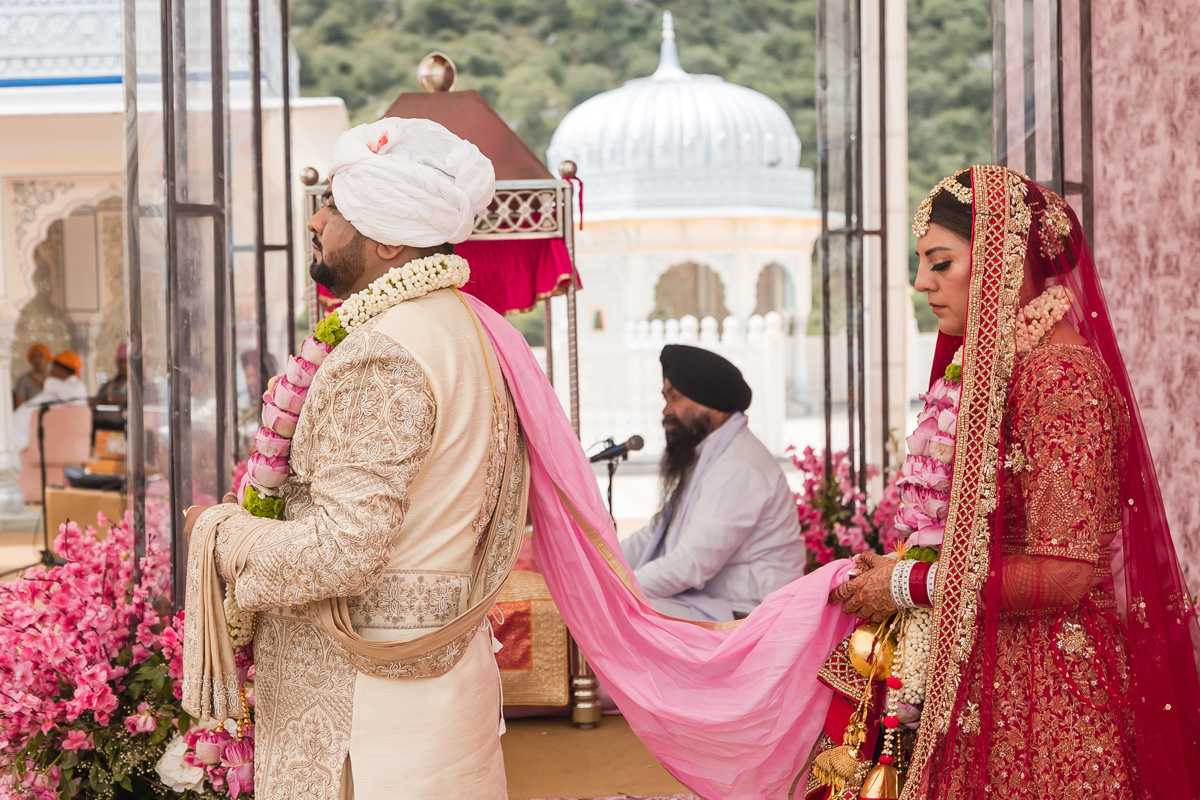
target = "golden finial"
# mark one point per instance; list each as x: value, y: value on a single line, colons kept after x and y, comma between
x: 309, y: 176
x: 567, y: 169
x: 436, y: 72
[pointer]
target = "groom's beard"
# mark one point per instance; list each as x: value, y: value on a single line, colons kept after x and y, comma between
x: 339, y: 270
x: 683, y: 437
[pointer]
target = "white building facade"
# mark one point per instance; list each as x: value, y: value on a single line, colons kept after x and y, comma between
x: 697, y: 217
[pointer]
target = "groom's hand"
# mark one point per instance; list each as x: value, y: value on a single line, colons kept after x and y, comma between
x: 869, y: 596
x: 193, y: 512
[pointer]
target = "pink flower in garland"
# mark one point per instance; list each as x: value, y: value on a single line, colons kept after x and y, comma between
x: 924, y: 483
x: 238, y: 760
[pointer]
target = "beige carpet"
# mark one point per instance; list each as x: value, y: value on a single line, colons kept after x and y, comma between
x: 548, y: 758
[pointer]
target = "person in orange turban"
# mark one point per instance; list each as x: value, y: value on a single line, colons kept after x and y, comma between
x: 62, y: 386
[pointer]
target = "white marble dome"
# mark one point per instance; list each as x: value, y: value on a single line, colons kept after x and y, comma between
x: 680, y: 140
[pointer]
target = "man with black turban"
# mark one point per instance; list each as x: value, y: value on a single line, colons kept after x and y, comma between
x: 728, y: 534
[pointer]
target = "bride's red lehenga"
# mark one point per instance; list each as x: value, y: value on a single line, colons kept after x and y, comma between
x: 1063, y: 661
x: 1063, y: 656
x: 1060, y: 718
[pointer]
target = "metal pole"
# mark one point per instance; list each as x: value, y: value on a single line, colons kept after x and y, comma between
x: 256, y: 155
x: 181, y: 491
x: 224, y: 388
x: 1085, y: 115
x: 547, y: 305
x: 824, y: 242
x: 289, y: 245
x: 585, y: 689
x: 885, y: 387
x: 849, y: 231
x: 999, y: 84
x: 1030, y: 21
x: 135, y: 461
x: 857, y: 179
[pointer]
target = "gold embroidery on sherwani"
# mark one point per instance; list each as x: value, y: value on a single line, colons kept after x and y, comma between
x: 363, y: 442
x: 404, y: 598
x: 363, y: 437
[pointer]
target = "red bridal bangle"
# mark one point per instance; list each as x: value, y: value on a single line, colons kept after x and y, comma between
x: 916, y: 584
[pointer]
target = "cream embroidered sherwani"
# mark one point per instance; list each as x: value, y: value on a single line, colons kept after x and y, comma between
x: 396, y: 469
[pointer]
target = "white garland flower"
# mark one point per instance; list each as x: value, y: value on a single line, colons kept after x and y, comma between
x: 1042, y: 313
x: 239, y: 622
x: 175, y: 772
x: 409, y: 281
x: 918, y: 635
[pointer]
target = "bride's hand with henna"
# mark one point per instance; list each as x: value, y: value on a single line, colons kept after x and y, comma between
x: 868, y: 596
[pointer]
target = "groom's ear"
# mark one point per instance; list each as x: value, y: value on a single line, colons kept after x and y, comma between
x: 389, y: 252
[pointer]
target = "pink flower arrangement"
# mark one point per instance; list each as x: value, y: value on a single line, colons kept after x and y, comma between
x: 90, y: 664
x: 835, y: 519
x: 924, y: 482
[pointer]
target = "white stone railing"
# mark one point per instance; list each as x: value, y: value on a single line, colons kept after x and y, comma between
x: 621, y: 386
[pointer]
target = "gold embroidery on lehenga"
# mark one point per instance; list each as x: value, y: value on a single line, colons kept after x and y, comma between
x: 1049, y: 708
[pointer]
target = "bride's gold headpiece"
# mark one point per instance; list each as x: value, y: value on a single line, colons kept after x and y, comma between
x: 963, y: 193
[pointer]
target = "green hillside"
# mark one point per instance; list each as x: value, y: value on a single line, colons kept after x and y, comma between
x: 534, y: 60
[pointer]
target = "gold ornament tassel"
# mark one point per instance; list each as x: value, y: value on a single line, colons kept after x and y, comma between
x: 881, y: 783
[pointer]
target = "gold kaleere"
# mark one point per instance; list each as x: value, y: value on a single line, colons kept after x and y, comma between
x: 842, y: 767
x: 882, y: 782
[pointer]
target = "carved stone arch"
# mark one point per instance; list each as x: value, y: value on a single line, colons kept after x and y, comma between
x: 33, y: 205
x: 775, y: 291
x: 689, y: 288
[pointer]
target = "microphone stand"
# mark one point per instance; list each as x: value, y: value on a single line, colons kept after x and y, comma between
x: 612, y: 470
x: 46, y: 557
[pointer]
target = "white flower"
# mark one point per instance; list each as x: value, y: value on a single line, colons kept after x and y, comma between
x: 175, y: 773
x: 406, y: 282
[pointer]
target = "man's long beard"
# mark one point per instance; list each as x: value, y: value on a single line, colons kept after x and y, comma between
x: 339, y: 270
x: 683, y: 437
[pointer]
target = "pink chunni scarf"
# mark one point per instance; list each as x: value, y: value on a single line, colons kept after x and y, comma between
x: 731, y: 710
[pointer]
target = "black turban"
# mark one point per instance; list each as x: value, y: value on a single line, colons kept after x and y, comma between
x: 703, y: 376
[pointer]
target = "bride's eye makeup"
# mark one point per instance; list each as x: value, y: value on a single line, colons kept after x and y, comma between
x: 941, y: 266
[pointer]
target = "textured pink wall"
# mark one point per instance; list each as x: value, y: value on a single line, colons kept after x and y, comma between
x: 1146, y: 124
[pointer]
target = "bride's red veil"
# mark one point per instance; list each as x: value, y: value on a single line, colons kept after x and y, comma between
x: 1018, y: 226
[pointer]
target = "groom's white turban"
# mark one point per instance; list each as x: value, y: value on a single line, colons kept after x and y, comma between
x: 410, y: 182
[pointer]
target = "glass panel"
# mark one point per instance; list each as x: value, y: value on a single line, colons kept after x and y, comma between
x: 178, y: 261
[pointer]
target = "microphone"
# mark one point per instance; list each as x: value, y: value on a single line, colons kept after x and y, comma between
x: 615, y: 451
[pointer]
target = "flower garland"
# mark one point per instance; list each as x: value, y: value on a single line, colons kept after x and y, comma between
x: 1039, y: 317
x: 283, y: 401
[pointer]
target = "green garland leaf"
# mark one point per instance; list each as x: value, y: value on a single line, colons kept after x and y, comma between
x: 927, y: 555
x: 330, y: 330
x: 261, y: 505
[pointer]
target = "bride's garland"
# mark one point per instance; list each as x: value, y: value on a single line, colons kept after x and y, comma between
x: 283, y: 401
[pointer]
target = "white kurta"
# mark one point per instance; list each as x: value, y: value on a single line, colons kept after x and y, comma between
x: 742, y: 538
x: 55, y: 390
x: 396, y: 466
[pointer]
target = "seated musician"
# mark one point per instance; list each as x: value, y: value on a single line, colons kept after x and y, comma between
x: 728, y: 534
